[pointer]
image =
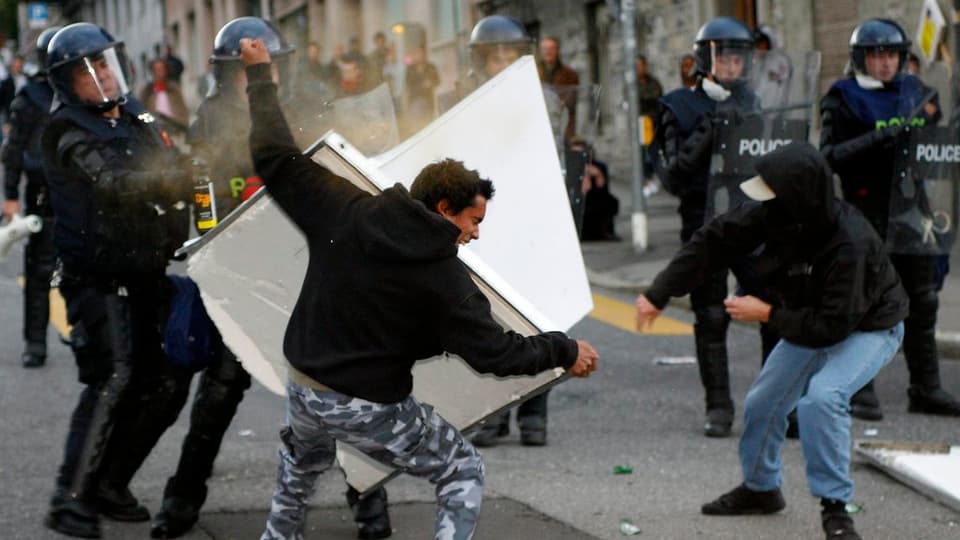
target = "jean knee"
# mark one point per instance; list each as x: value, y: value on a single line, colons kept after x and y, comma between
x: 821, y: 401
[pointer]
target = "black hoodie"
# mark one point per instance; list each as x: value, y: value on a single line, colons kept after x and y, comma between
x: 384, y: 286
x: 821, y: 258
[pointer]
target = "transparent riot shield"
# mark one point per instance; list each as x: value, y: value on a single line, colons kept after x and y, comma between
x: 750, y: 124
x: 924, y: 198
x: 574, y: 113
x: 368, y: 121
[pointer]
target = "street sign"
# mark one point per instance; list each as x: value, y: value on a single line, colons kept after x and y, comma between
x: 37, y: 15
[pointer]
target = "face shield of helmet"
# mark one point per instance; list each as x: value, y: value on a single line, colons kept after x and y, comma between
x: 730, y: 63
x: 99, y: 79
x: 231, y: 78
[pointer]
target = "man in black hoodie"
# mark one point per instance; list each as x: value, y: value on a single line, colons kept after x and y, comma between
x: 383, y: 288
x: 838, y: 305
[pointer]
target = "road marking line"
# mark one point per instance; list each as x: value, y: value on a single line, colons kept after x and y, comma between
x: 623, y: 316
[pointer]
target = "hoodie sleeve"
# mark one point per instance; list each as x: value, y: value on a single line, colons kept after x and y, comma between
x: 309, y: 193
x: 470, y: 332
x: 836, y: 314
x: 712, y: 248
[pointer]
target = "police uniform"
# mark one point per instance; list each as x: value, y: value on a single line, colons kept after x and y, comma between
x: 117, y: 187
x: 863, y: 119
x: 29, y: 115
x: 683, y: 145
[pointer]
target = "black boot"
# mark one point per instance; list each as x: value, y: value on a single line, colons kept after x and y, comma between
x: 719, y: 422
x: 492, y: 431
x: 120, y: 505
x: 178, y: 514
x: 743, y: 500
x: 370, y: 513
x: 837, y: 523
x: 33, y: 360
x: 936, y: 401
x: 72, y: 517
x: 532, y: 420
x: 865, y: 405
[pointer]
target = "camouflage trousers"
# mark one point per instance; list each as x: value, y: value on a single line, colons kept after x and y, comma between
x: 407, y: 435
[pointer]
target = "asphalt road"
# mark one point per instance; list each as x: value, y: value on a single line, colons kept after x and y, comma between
x: 632, y: 413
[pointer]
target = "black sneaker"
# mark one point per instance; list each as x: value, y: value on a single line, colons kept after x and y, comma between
x: 865, y: 405
x: 370, y: 514
x: 176, y: 516
x: 718, y: 423
x: 743, y: 500
x: 838, y: 525
x: 936, y: 401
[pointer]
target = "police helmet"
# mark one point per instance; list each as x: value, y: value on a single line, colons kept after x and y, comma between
x: 87, y: 67
x: 877, y: 35
x: 721, y: 36
x: 226, y: 51
x: 497, y: 32
x: 43, y: 41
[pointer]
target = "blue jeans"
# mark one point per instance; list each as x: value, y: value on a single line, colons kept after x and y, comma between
x: 819, y: 383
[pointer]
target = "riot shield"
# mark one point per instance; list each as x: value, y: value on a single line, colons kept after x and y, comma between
x: 744, y: 129
x: 574, y: 112
x: 367, y: 120
x: 924, y: 198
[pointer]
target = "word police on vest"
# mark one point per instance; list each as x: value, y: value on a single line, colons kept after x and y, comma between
x: 19, y: 228
x: 938, y: 153
x: 759, y: 147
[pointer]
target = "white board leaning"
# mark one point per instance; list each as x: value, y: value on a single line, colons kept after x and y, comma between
x: 251, y: 267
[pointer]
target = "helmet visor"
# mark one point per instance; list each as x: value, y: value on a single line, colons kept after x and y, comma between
x: 730, y: 61
x: 98, y: 79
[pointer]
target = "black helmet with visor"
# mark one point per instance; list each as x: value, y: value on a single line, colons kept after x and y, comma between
x: 877, y: 35
x: 721, y: 41
x: 226, y: 53
x: 497, y: 33
x: 87, y: 67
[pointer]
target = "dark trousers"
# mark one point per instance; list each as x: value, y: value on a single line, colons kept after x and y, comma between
x: 919, y: 278
x: 39, y: 259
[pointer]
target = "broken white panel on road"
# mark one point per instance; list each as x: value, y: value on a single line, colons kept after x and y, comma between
x: 250, y: 267
x: 932, y: 469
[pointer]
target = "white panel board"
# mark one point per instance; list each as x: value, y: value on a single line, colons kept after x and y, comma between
x: 931, y: 469
x: 503, y: 130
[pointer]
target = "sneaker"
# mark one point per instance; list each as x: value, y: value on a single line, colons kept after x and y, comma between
x: 718, y: 423
x: 370, y: 514
x: 865, y: 405
x: 936, y: 401
x: 743, y: 500
x: 838, y: 525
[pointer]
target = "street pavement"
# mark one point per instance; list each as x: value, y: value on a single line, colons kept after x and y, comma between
x: 632, y: 413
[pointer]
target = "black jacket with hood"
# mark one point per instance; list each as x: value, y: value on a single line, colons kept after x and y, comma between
x: 384, y: 286
x: 820, y: 258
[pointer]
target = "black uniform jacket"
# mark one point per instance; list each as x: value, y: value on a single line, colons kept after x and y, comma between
x: 383, y: 287
x: 822, y: 259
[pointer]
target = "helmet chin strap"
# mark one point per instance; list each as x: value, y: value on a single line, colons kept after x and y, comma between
x: 714, y: 90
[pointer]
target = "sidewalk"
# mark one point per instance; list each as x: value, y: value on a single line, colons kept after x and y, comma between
x: 615, y: 265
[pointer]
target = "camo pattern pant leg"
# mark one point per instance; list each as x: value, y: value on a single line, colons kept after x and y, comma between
x: 407, y: 435
x: 307, y: 451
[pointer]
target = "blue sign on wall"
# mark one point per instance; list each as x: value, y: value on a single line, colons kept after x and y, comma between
x: 37, y: 16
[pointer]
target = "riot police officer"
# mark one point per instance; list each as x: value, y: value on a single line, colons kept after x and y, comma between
x: 683, y: 144
x: 865, y: 117
x: 220, y: 137
x: 496, y: 42
x: 29, y: 115
x: 118, y: 189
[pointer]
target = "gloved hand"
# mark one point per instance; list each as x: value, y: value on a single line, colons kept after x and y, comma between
x: 699, y: 144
